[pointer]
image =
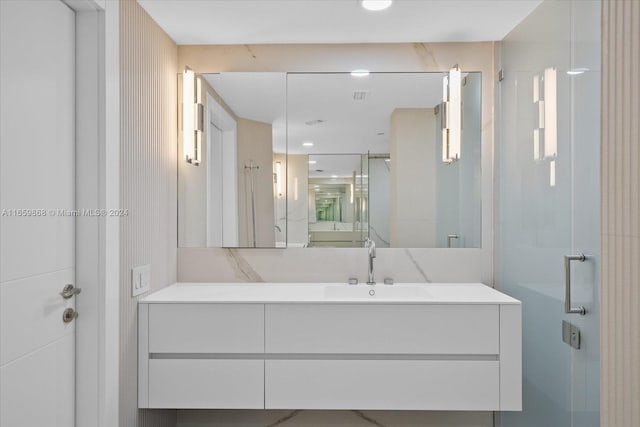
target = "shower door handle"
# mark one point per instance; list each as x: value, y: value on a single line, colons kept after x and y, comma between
x: 567, y: 284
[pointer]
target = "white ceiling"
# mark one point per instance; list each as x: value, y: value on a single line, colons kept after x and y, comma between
x: 335, y: 21
x: 348, y: 126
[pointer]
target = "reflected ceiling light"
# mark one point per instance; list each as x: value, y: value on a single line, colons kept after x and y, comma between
x: 192, y: 117
x: 334, y: 176
x: 312, y: 162
x: 576, y: 71
x: 360, y: 73
x: 376, y: 5
x: 451, y: 115
x: 307, y: 143
x: 387, y: 160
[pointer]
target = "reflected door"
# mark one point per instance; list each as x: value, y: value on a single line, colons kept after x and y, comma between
x: 549, y: 208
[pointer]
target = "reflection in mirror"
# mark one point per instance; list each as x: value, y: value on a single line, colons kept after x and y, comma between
x: 408, y: 193
x: 329, y: 160
x: 337, y: 200
x: 228, y: 199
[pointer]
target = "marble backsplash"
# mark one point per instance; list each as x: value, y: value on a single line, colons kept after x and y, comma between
x: 330, y: 265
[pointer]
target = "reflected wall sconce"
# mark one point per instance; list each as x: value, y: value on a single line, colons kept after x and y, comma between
x: 277, y: 178
x: 545, y: 131
x: 545, y: 99
x: 192, y: 117
x: 451, y: 115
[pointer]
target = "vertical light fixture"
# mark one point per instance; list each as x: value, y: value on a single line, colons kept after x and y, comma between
x: 539, y: 123
x: 192, y: 117
x: 545, y: 131
x: 278, y: 179
x: 550, y: 113
x: 452, y: 115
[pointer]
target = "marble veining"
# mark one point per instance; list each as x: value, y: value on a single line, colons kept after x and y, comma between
x: 426, y: 55
x: 284, y: 419
x: 417, y: 266
x: 324, y: 265
x: 241, y: 267
x: 319, y: 418
x: 368, y: 419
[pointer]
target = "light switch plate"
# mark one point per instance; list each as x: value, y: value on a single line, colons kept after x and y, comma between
x: 140, y: 279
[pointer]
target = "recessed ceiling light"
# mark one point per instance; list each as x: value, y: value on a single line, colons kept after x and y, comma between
x: 308, y: 143
x: 334, y: 176
x: 375, y: 5
x: 360, y: 73
x: 312, y: 162
x: 577, y: 71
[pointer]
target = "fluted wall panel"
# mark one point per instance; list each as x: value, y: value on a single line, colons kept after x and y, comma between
x: 148, y: 91
x: 620, y: 161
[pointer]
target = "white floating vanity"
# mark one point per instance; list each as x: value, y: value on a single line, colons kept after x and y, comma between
x: 330, y: 346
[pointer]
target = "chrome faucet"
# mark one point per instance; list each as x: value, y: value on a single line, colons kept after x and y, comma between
x: 371, y: 245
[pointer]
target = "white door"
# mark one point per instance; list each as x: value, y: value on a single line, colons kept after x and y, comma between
x: 37, y: 186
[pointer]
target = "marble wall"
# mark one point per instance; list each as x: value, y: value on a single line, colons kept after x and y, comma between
x: 333, y: 419
x: 334, y: 265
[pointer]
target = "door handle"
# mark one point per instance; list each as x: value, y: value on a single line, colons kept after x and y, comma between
x: 69, y: 290
x: 567, y: 285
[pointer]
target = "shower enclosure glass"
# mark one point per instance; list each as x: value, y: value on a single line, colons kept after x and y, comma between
x: 548, y: 207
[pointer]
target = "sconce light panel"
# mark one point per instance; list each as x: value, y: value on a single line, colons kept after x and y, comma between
x: 545, y: 100
x: 192, y: 117
x: 277, y: 177
x: 452, y: 115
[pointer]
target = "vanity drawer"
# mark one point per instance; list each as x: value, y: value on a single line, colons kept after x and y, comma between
x: 206, y: 384
x: 382, y: 384
x: 382, y: 329
x: 206, y: 328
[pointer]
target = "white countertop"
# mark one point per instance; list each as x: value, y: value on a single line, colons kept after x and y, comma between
x: 331, y: 293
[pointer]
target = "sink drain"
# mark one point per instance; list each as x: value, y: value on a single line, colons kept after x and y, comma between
x: 372, y: 292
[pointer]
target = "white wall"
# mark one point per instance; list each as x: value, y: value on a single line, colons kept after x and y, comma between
x: 379, y: 201
x: 255, y: 143
x: 297, y: 210
x: 413, y: 187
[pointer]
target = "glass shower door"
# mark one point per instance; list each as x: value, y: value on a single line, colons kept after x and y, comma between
x: 548, y: 170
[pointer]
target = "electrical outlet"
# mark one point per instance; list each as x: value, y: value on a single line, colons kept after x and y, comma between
x: 140, y: 279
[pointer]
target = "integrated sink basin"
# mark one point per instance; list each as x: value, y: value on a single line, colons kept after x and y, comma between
x: 387, y: 292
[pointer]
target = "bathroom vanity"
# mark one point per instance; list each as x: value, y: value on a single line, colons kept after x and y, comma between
x: 330, y: 346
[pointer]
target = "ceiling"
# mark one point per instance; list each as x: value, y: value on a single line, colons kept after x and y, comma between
x: 335, y: 21
x: 347, y: 126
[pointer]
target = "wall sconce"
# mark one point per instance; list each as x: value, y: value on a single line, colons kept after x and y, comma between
x: 192, y: 117
x: 451, y: 115
x: 277, y: 178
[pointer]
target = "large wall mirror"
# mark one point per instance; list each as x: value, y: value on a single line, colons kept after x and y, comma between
x: 331, y: 159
